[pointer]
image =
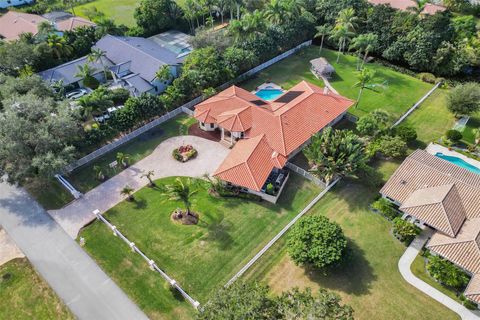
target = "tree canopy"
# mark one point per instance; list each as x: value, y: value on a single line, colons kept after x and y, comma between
x: 464, y: 99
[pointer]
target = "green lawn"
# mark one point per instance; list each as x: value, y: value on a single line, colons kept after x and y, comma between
x: 84, y: 178
x: 24, y: 295
x: 370, y: 282
x: 473, y: 123
x: 201, y: 258
x: 50, y: 194
x: 401, y: 92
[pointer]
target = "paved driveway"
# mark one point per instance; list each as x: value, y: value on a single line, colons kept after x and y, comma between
x: 78, y: 213
x: 71, y: 273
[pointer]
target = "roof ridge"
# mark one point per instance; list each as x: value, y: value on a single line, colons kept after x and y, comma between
x: 251, y: 175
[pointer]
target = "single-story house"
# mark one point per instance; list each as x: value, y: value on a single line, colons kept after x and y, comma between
x: 132, y: 61
x: 13, y: 24
x: 13, y: 3
x: 445, y: 197
x: 268, y: 132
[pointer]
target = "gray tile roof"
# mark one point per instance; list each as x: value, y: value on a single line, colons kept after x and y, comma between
x: 140, y: 84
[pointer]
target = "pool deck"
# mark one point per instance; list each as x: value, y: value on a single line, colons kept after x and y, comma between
x: 268, y: 85
x: 434, y: 148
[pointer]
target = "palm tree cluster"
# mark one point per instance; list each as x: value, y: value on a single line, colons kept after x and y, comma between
x: 181, y: 190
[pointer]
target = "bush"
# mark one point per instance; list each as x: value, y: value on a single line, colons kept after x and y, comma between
x: 447, y: 273
x: 407, y: 133
x: 390, y: 147
x: 91, y: 82
x: 454, y: 135
x: 316, y: 241
x: 404, y: 230
x: 120, y: 96
x: 385, y: 207
x: 426, y: 77
x: 464, y: 99
x: 470, y: 305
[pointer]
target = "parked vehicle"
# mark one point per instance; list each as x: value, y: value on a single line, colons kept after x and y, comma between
x: 76, y: 94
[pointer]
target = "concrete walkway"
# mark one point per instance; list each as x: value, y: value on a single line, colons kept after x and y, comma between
x: 71, y: 273
x: 79, y: 213
x: 404, y: 266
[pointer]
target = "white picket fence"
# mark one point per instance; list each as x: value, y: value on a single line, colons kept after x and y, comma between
x: 307, y: 175
x: 150, y: 262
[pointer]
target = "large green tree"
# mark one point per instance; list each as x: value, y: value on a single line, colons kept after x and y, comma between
x: 316, y: 241
x: 464, y: 99
x: 335, y: 153
x: 153, y: 16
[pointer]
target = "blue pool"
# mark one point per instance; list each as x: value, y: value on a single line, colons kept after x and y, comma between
x: 459, y: 162
x: 268, y: 94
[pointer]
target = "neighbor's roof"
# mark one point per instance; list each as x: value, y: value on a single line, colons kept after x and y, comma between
x: 396, y: 4
x: 67, y: 71
x: 440, y: 206
x: 146, y: 56
x: 431, y: 8
x: 464, y: 249
x: 250, y: 163
x: 73, y: 23
x: 422, y: 170
x: 55, y: 16
x: 13, y: 24
x: 473, y: 289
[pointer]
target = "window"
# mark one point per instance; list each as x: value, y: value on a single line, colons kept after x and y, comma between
x: 202, y: 124
x: 212, y: 125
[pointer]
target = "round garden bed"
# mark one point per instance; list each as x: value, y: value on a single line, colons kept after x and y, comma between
x: 181, y: 216
x: 184, y: 153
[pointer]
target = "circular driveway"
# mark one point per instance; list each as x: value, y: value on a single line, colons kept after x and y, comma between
x: 78, y: 213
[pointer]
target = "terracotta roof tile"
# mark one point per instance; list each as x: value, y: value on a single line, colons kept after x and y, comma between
x: 431, y: 8
x: 396, y: 4
x: 473, y: 289
x: 72, y: 23
x: 237, y: 120
x: 13, y: 24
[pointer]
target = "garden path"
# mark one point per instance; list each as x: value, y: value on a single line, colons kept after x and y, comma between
x: 79, y: 212
x: 404, y: 266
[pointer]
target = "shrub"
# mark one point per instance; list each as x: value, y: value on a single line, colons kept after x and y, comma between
x: 385, y: 207
x: 91, y: 82
x: 404, y: 230
x: 270, y: 189
x: 407, y: 133
x: 464, y: 99
x: 470, y: 305
x: 120, y: 96
x: 316, y: 241
x: 454, y: 135
x: 390, y: 147
x: 446, y: 272
x: 426, y: 77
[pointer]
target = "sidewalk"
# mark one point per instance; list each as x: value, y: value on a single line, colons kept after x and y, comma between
x: 404, y: 266
x: 72, y: 274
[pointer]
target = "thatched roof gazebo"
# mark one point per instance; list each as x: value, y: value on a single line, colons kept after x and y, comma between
x: 321, y: 68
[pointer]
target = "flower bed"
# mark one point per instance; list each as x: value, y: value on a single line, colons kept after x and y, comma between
x: 184, y: 153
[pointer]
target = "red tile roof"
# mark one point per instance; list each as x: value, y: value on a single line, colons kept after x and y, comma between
x: 249, y: 163
x: 72, y: 23
x: 13, y: 24
x: 396, y: 4
x: 284, y: 125
x: 431, y: 8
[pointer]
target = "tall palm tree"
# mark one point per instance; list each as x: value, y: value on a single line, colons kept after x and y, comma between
x: 364, y: 43
x: 85, y: 71
x: 293, y: 9
x: 123, y: 159
x: 248, y: 27
x: 364, y: 78
x: 128, y: 192
x: 275, y: 11
x: 181, y: 191
x: 97, y: 55
x: 59, y: 46
x: 238, y: 5
x: 347, y: 18
x: 341, y: 34
x: 149, y: 175
x: 220, y: 6
x: 322, y: 31
x: 190, y: 14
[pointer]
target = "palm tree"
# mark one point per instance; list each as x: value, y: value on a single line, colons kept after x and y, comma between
x: 164, y: 73
x: 347, y: 18
x: 365, y: 76
x: 85, y: 71
x: 128, y: 192
x: 237, y: 4
x: 123, y: 158
x: 99, y: 173
x: 97, y: 55
x: 341, y: 34
x: 364, y: 43
x: 476, y: 135
x: 275, y: 11
x: 220, y: 6
x: 334, y: 153
x: 181, y: 191
x: 149, y: 175
x: 59, y: 45
x: 293, y: 9
x: 322, y: 31
x: 190, y: 14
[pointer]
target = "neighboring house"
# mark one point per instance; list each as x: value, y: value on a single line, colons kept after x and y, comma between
x: 445, y: 197
x: 431, y: 8
x: 13, y: 3
x: 13, y: 24
x: 406, y: 5
x: 268, y: 132
x: 132, y: 61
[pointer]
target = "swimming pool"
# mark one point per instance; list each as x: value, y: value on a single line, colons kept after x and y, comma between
x: 268, y: 94
x: 459, y: 162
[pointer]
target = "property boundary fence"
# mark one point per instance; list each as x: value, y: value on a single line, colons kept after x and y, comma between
x: 280, y: 234
x: 150, y: 262
x: 304, y: 173
x: 416, y: 105
x: 186, y: 108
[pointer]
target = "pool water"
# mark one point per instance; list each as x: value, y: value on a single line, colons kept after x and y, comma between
x: 268, y: 94
x: 459, y: 162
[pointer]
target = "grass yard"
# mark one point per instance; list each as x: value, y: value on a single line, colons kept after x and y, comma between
x: 201, y: 258
x: 121, y: 11
x: 370, y: 282
x: 400, y: 94
x: 472, y: 124
x: 24, y: 295
x: 84, y: 177
x: 50, y: 194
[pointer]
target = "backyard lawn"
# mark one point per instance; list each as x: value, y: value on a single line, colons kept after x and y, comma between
x: 200, y: 257
x: 24, y: 295
x: 370, y: 281
x: 400, y: 93
x: 84, y: 178
x: 468, y: 133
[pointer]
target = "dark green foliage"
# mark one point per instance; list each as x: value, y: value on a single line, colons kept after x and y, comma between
x: 155, y: 16
x: 386, y: 208
x: 464, y: 99
x: 447, y: 273
x: 470, y: 305
x: 90, y: 82
x: 370, y: 176
x: 244, y: 300
x: 404, y: 230
x: 406, y: 132
x: 317, y: 242
x: 388, y: 146
x: 454, y: 135
x: 373, y: 124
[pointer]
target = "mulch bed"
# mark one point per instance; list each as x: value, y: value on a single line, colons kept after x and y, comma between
x: 180, y: 216
x: 194, y: 130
